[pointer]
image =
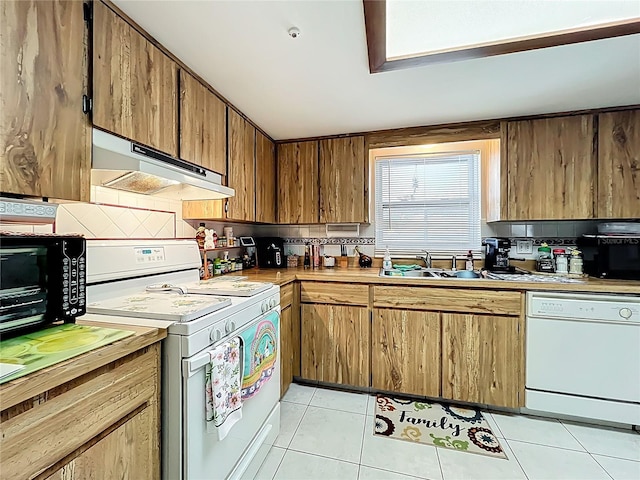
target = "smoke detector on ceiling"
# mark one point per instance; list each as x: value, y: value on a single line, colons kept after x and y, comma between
x: 294, y: 32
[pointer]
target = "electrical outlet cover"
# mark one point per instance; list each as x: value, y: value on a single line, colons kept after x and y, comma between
x: 524, y: 246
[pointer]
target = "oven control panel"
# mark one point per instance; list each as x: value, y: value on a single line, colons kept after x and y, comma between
x: 147, y: 255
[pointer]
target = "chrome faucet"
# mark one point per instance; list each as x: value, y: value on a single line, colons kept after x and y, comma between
x: 426, y: 258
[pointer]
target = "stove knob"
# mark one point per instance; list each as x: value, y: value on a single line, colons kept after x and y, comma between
x: 272, y: 302
x: 625, y: 313
x: 215, y: 335
x: 264, y: 307
x: 230, y: 326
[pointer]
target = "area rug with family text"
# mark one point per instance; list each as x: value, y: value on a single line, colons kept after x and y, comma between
x: 441, y: 425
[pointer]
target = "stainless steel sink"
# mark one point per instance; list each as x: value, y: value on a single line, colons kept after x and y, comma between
x: 428, y: 273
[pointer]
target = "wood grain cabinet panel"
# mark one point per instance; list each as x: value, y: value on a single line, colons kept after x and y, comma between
x: 242, y: 168
x: 335, y: 344
x: 203, y: 125
x: 265, y: 180
x: 448, y: 299
x: 298, y: 190
x: 336, y: 293
x: 343, y: 180
x: 551, y: 168
x: 134, y: 84
x: 286, y: 350
x: 483, y: 359
x: 133, y: 450
x: 405, y: 352
x: 619, y: 164
x: 44, y: 136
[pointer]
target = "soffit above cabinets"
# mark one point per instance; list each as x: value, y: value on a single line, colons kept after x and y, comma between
x: 319, y: 83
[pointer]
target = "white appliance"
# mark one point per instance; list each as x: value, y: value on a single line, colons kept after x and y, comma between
x: 583, y: 355
x: 121, y: 269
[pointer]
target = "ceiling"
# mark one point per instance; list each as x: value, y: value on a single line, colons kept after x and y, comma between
x: 319, y: 83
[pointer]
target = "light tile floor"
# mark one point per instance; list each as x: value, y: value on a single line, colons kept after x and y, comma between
x: 328, y: 435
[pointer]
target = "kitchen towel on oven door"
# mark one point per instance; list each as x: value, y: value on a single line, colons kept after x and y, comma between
x: 260, y: 354
x: 223, y: 378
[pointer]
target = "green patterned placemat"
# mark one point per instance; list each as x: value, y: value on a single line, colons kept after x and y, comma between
x: 47, y: 347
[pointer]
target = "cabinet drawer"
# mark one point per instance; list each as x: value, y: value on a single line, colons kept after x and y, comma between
x: 286, y: 295
x: 334, y: 293
x: 65, y: 418
x: 448, y: 299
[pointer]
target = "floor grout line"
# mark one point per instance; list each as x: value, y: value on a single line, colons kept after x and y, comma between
x: 544, y: 445
x: 601, y: 466
x: 440, y: 465
x: 513, y: 454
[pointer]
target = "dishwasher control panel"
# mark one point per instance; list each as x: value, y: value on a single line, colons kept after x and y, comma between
x: 582, y: 306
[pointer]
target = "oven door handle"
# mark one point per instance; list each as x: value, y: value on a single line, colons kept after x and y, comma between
x: 191, y: 366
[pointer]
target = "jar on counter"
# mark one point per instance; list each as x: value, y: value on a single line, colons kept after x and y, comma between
x: 544, y: 262
x: 575, y: 263
x: 562, y: 261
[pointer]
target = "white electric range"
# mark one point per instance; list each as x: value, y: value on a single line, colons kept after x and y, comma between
x: 151, y: 280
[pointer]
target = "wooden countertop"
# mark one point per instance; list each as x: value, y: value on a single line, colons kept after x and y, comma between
x: 282, y: 276
x: 24, y: 388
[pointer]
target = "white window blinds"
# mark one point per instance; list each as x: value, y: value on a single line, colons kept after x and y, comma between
x: 428, y: 202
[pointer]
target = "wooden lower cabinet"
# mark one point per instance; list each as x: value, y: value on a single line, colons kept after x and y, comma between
x: 102, y: 424
x: 286, y: 350
x: 131, y: 449
x: 335, y: 344
x: 405, y: 351
x: 483, y: 359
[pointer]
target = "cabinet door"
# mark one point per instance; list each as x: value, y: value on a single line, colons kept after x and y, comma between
x: 298, y: 182
x: 551, y: 168
x: 619, y: 164
x: 203, y: 125
x: 265, y: 180
x: 483, y: 359
x: 130, y: 451
x: 242, y: 172
x: 335, y: 344
x: 405, y: 352
x: 286, y: 350
x: 134, y: 84
x: 343, y: 178
x: 44, y: 136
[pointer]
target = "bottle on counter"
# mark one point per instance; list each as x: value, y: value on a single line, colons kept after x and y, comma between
x: 200, y: 235
x: 215, y: 239
x: 316, y: 256
x: 307, y: 257
x: 386, y: 261
x: 469, y: 263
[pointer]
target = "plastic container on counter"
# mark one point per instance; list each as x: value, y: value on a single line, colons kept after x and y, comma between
x: 561, y: 260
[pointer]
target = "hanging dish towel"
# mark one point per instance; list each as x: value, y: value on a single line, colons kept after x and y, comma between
x: 223, y: 378
x: 260, y: 354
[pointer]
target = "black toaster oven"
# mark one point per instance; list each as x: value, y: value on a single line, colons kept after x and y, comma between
x: 42, y: 279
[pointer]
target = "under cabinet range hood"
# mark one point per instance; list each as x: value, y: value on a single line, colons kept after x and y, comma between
x: 125, y: 165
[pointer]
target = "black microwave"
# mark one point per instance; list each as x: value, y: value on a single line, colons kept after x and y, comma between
x: 42, y: 280
x: 611, y: 256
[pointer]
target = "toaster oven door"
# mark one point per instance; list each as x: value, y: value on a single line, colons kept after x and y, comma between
x: 23, y: 293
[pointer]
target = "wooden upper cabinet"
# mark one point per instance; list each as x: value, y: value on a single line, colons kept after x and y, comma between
x: 45, y: 138
x: 298, y: 182
x: 551, y: 168
x: 203, y: 125
x: 619, y: 165
x: 134, y: 84
x: 242, y: 170
x: 343, y: 180
x: 265, y: 180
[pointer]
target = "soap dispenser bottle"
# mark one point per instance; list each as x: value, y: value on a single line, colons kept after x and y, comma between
x: 386, y: 262
x: 469, y: 262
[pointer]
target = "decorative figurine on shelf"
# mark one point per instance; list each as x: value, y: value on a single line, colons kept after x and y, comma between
x: 200, y: 235
x: 365, y: 260
x: 208, y: 239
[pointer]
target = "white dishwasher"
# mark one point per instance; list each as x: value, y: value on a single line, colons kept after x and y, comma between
x: 583, y: 355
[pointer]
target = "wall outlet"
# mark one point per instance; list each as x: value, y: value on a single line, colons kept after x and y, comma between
x: 524, y: 246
